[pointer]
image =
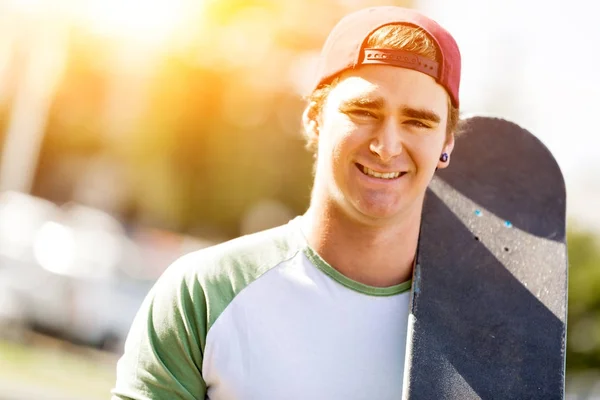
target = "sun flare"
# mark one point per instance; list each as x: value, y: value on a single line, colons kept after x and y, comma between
x: 150, y: 22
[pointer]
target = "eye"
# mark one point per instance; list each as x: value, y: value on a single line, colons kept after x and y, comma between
x: 362, y: 114
x: 416, y: 123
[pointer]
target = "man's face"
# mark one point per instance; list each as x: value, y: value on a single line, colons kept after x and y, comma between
x: 381, y: 133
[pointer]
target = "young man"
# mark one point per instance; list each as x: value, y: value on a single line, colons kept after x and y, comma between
x: 318, y: 308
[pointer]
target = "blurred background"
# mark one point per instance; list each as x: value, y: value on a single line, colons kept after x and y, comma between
x: 133, y: 131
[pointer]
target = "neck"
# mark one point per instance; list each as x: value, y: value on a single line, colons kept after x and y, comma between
x: 375, y: 254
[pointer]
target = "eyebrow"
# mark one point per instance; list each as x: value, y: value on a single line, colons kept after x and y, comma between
x: 421, y: 113
x: 365, y: 102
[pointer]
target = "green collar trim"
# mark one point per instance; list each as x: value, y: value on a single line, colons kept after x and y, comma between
x: 351, y: 284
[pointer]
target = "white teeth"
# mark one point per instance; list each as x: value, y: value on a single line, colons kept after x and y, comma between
x: 382, y: 175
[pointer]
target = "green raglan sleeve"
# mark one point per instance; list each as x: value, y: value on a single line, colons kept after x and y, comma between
x: 164, y: 347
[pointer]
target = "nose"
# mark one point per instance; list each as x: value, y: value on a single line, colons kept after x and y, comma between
x: 387, y: 142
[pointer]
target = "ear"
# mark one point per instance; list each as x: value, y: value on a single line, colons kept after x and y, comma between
x: 310, y: 120
x: 448, y: 147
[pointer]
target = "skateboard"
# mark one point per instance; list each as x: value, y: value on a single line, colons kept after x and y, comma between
x: 489, y: 296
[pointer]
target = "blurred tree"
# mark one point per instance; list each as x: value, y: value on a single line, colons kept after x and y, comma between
x: 204, y: 129
x: 73, y: 131
x: 583, y: 332
x: 3, y: 125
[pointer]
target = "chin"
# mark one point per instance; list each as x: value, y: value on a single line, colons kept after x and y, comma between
x: 379, y: 213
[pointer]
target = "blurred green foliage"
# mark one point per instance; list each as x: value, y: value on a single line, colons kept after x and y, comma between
x: 583, y: 333
x: 203, y: 130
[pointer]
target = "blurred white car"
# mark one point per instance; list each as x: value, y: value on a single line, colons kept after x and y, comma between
x: 65, y: 271
x: 74, y: 272
x: 21, y: 216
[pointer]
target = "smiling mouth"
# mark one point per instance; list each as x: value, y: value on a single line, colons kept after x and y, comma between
x: 380, y: 175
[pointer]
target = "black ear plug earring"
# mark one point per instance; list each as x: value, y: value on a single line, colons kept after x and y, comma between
x: 444, y: 157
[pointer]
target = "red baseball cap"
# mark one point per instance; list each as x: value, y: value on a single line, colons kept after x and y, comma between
x: 344, y: 48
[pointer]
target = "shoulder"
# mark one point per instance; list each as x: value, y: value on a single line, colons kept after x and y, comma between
x: 244, y: 258
x: 170, y: 329
x: 215, y: 275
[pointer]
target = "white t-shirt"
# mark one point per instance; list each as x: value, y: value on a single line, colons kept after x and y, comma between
x: 265, y: 317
